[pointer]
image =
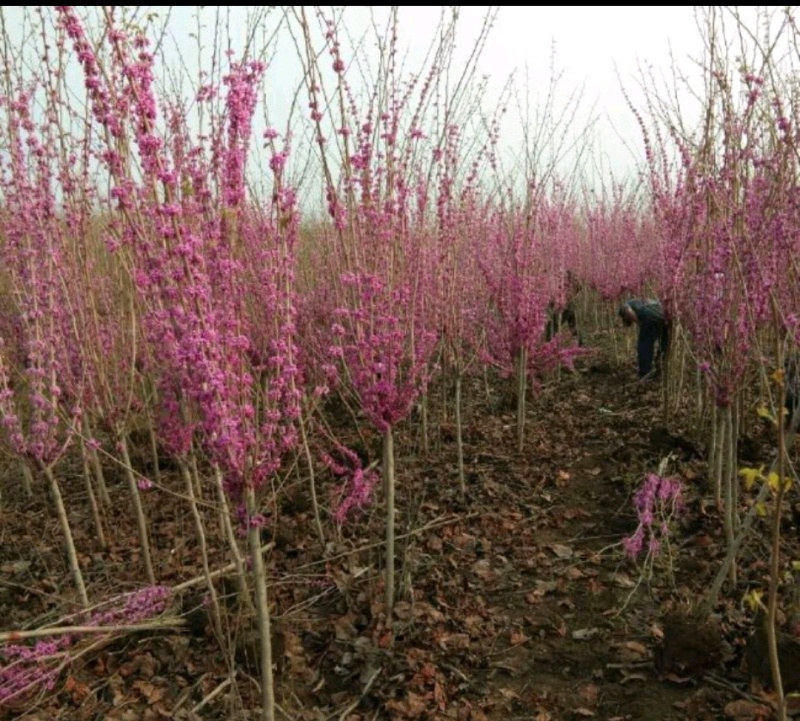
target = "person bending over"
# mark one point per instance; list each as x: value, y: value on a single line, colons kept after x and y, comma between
x: 653, y: 326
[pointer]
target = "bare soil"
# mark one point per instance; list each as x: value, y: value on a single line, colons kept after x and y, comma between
x: 515, y: 602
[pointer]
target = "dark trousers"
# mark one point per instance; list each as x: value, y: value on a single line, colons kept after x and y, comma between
x: 651, y: 333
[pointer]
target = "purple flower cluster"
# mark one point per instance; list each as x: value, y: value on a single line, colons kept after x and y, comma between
x: 220, y: 330
x: 658, y: 501
x: 372, y: 340
x: 41, y: 366
x: 728, y: 216
x: 25, y: 669
x: 360, y: 482
x: 523, y: 275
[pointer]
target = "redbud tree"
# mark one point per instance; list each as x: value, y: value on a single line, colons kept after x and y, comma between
x: 380, y: 240
x: 41, y: 375
x: 222, y: 339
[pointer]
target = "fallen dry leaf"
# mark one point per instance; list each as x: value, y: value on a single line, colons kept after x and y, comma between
x: 78, y: 691
x: 589, y: 693
x: 636, y: 647
x: 412, y: 706
x: 147, y: 665
x: 585, y: 634
x: 345, y: 628
x: 622, y: 580
x: 637, y: 676
x: 483, y: 569
x: 518, y: 637
x: 509, y: 694
x: 743, y: 710
x: 680, y: 680
x: 423, y: 609
x: 402, y: 610
x: 560, y: 550
x: 149, y: 691
x: 451, y: 641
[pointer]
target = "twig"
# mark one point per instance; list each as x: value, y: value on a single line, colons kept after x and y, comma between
x: 184, y: 697
x: 214, y: 574
x: 436, y: 523
x: 6, y: 636
x: 214, y: 693
x: 722, y: 683
x: 87, y: 630
x: 457, y: 671
x: 503, y: 651
x: 744, y: 527
x: 85, y: 611
x: 355, y: 703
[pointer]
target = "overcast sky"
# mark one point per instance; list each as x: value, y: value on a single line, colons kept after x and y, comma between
x: 599, y: 48
x: 595, y: 47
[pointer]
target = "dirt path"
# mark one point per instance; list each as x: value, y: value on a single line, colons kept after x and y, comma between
x: 551, y: 576
x: 544, y: 619
x: 527, y: 610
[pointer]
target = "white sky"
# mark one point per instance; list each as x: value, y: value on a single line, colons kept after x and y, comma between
x: 588, y: 42
x: 591, y: 45
x: 597, y: 48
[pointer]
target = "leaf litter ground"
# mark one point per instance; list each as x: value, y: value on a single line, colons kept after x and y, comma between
x: 515, y: 602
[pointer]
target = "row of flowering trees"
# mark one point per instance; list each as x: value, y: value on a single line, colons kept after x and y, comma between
x: 725, y: 204
x: 147, y: 285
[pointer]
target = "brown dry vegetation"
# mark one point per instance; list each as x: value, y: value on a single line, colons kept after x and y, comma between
x: 514, y: 603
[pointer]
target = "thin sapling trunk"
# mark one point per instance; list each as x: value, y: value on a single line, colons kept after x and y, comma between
x: 97, y: 466
x: 262, y: 610
x: 72, y: 555
x: 522, y: 378
x: 423, y: 407
x: 226, y: 528
x: 87, y: 478
x: 27, y: 480
x: 389, y: 486
x: 462, y: 483
x: 312, y: 482
x: 141, y: 519
x: 216, y: 616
